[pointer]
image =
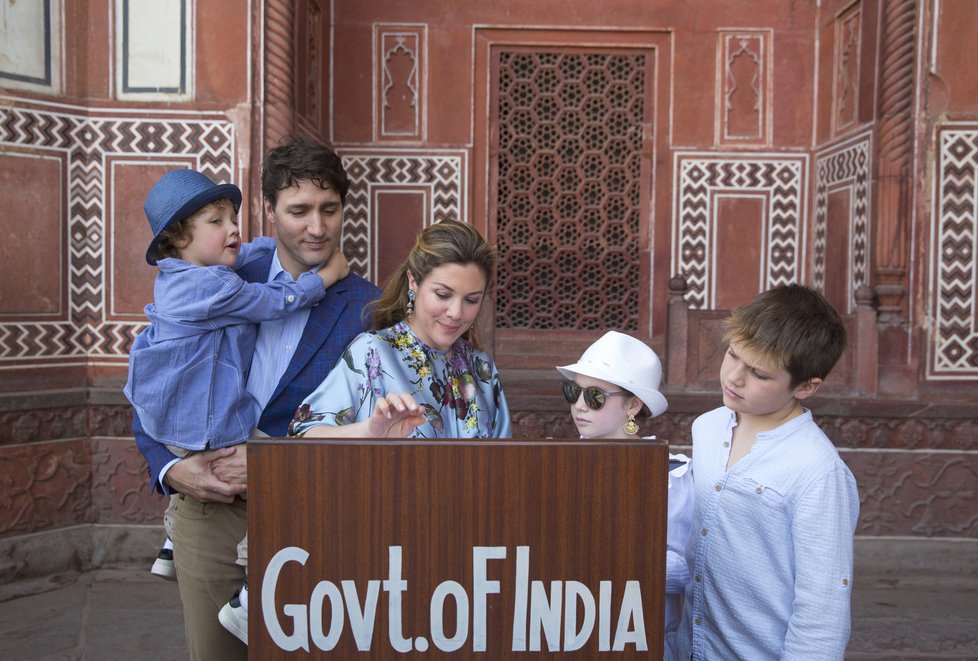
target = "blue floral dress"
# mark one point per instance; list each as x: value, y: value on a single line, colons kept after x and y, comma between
x: 459, y: 388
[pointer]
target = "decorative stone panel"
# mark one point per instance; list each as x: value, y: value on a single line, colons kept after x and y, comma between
x: 154, y: 50
x: 87, y: 141
x: 120, y: 485
x: 30, y: 45
x: 919, y: 493
x: 702, y: 178
x: 744, y: 87
x: 569, y: 193
x: 44, y: 486
x: 952, y: 334
x: 441, y: 175
x: 846, y: 165
x: 400, y: 98
x: 43, y: 424
x: 846, y: 83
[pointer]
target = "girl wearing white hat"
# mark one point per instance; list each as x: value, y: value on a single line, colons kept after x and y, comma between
x: 616, y: 381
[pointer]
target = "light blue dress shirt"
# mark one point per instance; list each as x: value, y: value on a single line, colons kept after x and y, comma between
x: 276, y: 343
x: 458, y: 389
x: 770, y: 549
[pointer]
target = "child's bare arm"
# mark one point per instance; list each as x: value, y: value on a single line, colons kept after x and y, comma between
x: 335, y: 269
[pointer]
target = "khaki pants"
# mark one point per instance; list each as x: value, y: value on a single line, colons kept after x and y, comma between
x: 205, y: 540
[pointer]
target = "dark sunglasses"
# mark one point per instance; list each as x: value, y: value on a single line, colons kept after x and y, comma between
x: 594, y: 397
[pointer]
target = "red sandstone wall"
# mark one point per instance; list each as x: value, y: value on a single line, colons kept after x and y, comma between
x: 75, y: 166
x: 840, y: 169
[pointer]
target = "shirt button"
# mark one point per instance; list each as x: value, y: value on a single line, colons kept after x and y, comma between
x: 703, y: 532
x: 290, y: 298
x: 726, y: 444
x: 717, y: 487
x: 698, y: 578
x: 845, y: 581
x: 698, y: 621
x: 759, y: 489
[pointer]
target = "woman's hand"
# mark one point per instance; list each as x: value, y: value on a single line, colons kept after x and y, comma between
x: 395, y: 416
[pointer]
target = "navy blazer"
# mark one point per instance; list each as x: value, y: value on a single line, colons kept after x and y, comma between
x: 332, y: 325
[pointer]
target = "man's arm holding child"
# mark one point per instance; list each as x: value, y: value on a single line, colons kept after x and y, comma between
x: 192, y: 475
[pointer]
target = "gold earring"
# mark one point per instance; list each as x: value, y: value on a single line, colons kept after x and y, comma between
x: 630, y: 426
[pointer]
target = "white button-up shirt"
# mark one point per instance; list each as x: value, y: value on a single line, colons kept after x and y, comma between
x: 770, y: 548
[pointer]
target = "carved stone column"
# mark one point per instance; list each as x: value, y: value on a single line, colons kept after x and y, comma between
x: 895, y: 157
x: 894, y: 206
x: 279, y: 71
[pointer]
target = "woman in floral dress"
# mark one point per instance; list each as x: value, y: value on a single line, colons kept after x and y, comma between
x: 425, y: 345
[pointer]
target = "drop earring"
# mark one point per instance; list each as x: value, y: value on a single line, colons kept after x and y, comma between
x: 630, y: 426
x: 410, y: 303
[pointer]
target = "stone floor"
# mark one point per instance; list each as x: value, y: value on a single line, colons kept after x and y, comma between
x: 126, y: 613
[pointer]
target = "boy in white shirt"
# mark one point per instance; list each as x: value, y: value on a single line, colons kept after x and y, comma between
x: 775, y: 508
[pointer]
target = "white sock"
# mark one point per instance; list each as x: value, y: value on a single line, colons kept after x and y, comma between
x: 168, y: 544
x: 243, y: 597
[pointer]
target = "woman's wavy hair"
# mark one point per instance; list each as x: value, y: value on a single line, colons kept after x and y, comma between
x: 447, y: 242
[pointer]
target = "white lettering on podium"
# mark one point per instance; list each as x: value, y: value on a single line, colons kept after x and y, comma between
x: 482, y: 587
x: 394, y: 587
x: 631, y: 611
x: 457, y: 592
x: 537, y: 613
x: 325, y: 590
x: 575, y: 638
x: 300, y: 635
x: 519, y: 608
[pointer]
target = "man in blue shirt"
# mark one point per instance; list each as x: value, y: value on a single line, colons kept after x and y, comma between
x: 304, y: 187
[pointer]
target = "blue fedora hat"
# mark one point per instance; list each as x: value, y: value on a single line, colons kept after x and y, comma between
x: 178, y: 194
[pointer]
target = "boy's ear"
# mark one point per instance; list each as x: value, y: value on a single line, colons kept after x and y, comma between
x: 807, y: 389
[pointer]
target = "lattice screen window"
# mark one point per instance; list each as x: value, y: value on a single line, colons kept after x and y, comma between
x: 568, y: 192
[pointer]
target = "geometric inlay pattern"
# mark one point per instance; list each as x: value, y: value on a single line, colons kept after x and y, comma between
x: 844, y: 166
x: 699, y: 177
x: 86, y: 137
x: 442, y: 172
x: 568, y: 190
x: 953, y: 335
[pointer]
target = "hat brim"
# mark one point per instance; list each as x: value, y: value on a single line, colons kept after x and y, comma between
x: 651, y: 397
x: 230, y: 191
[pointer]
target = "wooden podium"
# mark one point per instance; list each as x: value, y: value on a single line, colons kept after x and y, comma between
x: 458, y: 549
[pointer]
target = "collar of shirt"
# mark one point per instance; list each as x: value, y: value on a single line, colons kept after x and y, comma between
x: 275, y: 269
x: 779, y: 432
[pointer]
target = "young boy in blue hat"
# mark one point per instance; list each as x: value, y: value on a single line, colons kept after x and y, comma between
x: 187, y: 384
x: 774, y: 507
